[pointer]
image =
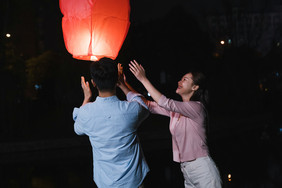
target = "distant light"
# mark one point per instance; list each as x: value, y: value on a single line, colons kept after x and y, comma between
x: 37, y: 86
x: 280, y: 130
x: 149, y: 95
x: 229, y: 177
x: 8, y: 35
x: 229, y: 41
x: 278, y: 44
x: 261, y: 86
x: 277, y: 74
x: 216, y: 54
x: 222, y: 42
x: 266, y: 89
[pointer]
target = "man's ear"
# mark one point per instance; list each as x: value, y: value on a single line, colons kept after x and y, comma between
x: 93, y: 83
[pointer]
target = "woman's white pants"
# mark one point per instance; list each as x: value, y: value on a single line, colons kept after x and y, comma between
x: 201, y: 173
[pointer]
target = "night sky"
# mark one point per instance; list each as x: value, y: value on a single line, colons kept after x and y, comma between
x: 40, y: 85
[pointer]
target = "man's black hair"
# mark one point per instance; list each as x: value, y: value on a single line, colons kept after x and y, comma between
x: 104, y: 73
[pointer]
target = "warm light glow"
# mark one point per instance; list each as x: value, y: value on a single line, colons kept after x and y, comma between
x: 229, y: 177
x: 93, y: 58
x: 222, y: 42
x: 8, y: 35
x: 216, y: 54
x: 261, y: 86
x: 94, y: 29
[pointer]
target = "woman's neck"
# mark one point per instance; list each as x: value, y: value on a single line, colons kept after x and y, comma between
x: 187, y: 97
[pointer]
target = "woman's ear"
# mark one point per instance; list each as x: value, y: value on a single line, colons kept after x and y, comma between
x: 93, y: 83
x: 195, y: 87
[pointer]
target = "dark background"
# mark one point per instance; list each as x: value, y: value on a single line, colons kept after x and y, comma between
x: 40, y: 85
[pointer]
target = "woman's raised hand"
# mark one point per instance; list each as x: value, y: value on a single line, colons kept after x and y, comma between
x: 137, y: 70
x: 139, y: 73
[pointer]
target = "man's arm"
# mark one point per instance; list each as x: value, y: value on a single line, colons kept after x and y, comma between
x: 123, y: 86
x: 86, y: 90
x: 130, y: 93
x: 80, y: 117
x: 121, y: 80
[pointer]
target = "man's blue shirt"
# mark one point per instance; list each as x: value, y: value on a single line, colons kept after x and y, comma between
x: 111, y: 125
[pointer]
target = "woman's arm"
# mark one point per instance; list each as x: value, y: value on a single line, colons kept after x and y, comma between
x: 191, y: 109
x: 139, y: 73
x: 188, y: 109
x: 126, y: 88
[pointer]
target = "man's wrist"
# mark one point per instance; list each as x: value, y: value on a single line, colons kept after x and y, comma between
x: 85, y: 101
x: 87, y: 97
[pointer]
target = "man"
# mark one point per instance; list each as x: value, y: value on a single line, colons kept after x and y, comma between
x: 111, y: 125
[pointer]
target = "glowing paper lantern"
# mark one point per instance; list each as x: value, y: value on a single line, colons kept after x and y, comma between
x: 94, y: 29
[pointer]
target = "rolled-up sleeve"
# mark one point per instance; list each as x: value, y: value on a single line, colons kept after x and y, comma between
x: 131, y: 96
x: 80, y: 117
x: 75, y: 113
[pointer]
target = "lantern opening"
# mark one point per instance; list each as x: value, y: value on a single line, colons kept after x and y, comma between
x: 93, y: 58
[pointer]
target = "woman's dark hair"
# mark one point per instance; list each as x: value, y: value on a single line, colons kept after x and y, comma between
x: 104, y: 73
x: 200, y: 94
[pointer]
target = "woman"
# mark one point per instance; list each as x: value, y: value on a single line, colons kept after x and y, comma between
x: 187, y: 126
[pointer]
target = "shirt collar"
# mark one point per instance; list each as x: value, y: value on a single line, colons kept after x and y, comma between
x: 107, y: 99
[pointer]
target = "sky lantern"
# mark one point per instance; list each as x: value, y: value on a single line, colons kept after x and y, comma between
x: 94, y: 29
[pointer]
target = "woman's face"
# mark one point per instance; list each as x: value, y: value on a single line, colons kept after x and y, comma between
x: 186, y: 85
